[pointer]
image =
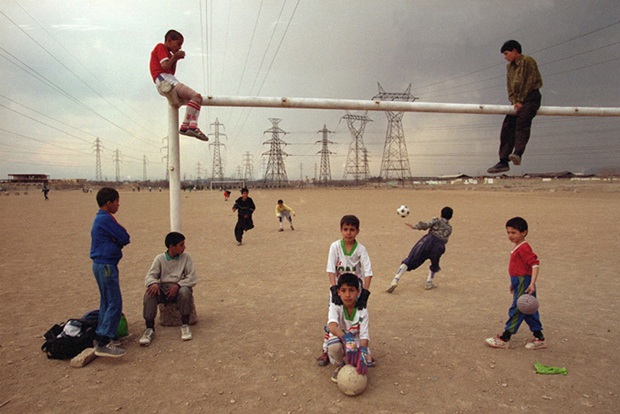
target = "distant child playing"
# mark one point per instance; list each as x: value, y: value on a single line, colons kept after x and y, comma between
x: 348, y: 328
x: 108, y: 239
x: 347, y: 256
x: 282, y: 211
x: 244, y: 206
x: 163, y: 65
x: 430, y: 247
x: 170, y: 279
x: 523, y: 270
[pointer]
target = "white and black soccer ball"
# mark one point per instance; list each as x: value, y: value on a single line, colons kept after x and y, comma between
x: 403, y: 211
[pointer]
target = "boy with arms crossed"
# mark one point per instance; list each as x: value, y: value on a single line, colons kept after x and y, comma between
x: 107, y: 240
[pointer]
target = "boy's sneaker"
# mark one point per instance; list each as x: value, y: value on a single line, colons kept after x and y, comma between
x: 281, y: 230
x: 335, y: 373
x: 194, y: 132
x: 323, y: 360
x: 497, y: 342
x: 147, y: 337
x: 429, y: 286
x: 292, y: 228
x: 109, y: 351
x: 186, y: 333
x: 535, y: 343
x: 516, y: 159
x: 499, y: 167
x: 393, y: 286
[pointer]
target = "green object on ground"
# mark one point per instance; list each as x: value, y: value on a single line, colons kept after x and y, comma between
x: 122, y: 330
x: 543, y: 369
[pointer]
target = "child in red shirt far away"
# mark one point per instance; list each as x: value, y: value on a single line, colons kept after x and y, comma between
x: 523, y: 270
x: 163, y: 64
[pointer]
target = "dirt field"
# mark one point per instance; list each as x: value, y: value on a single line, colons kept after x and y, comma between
x: 261, y: 306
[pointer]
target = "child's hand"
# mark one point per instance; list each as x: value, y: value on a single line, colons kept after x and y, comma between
x: 362, y: 301
x: 410, y: 225
x: 512, y: 289
x: 531, y: 289
x: 362, y: 360
x: 180, y: 54
x: 350, y: 347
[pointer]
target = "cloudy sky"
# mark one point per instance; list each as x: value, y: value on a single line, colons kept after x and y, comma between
x: 74, y: 72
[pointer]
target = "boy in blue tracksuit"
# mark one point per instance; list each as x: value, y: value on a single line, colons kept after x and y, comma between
x: 107, y: 240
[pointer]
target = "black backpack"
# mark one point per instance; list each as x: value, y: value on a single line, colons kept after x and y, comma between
x: 68, y: 339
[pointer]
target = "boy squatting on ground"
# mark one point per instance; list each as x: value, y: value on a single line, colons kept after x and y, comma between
x: 163, y: 65
x: 282, y: 211
x: 107, y: 240
x: 348, y: 328
x: 431, y: 246
x: 347, y: 256
x: 524, y: 82
x: 523, y: 270
x: 170, y: 279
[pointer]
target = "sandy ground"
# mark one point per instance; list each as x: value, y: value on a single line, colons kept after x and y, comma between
x: 262, y: 305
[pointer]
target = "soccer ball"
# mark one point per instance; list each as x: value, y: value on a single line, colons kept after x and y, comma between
x: 403, y: 211
x: 527, y: 304
x: 350, y: 382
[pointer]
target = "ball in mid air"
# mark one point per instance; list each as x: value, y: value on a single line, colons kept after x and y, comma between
x: 403, y: 211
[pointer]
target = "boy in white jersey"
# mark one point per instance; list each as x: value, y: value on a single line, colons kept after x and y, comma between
x: 348, y: 328
x: 170, y: 279
x: 347, y: 256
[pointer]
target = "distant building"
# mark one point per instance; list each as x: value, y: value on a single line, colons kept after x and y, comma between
x: 29, y: 178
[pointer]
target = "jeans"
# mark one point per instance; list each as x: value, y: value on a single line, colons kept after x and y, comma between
x: 110, y: 303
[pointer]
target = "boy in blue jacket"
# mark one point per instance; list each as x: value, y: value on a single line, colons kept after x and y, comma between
x: 107, y: 240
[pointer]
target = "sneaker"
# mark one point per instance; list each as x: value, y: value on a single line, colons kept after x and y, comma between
x: 194, y: 132
x: 535, y: 343
x: 281, y: 230
x: 292, y: 228
x: 147, y: 338
x: 393, y: 286
x: 429, y: 286
x: 335, y: 373
x: 499, y: 167
x: 516, y: 159
x: 497, y: 342
x: 186, y: 333
x: 109, y: 350
x: 115, y: 342
x: 323, y: 360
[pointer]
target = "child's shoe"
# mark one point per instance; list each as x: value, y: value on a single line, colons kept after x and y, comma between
x: 147, y: 337
x: 281, y: 230
x: 499, y: 167
x: 193, y: 132
x: 497, y: 342
x: 323, y: 360
x: 186, y: 333
x: 430, y: 286
x: 515, y: 158
x: 393, y: 286
x: 109, y: 351
x: 535, y: 343
x: 292, y: 228
x: 335, y: 373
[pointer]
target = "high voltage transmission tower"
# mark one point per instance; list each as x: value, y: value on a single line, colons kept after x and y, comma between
x: 117, y: 162
x: 217, y: 170
x: 357, y: 164
x: 98, y: 148
x: 325, y: 175
x: 198, y: 172
x: 248, y: 174
x: 144, y: 162
x: 275, y: 174
x: 166, y: 157
x: 395, y: 162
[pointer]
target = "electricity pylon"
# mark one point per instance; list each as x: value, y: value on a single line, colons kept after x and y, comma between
x: 248, y: 165
x: 117, y: 161
x: 325, y: 175
x: 275, y: 174
x: 145, y: 160
x: 395, y: 161
x: 218, y: 170
x: 355, y: 165
x: 98, y: 148
x: 166, y: 157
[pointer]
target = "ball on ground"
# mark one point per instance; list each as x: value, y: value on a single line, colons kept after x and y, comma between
x: 527, y: 304
x: 350, y: 382
x: 403, y: 211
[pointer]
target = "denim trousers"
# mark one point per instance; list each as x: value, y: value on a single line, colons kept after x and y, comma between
x: 111, y: 302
